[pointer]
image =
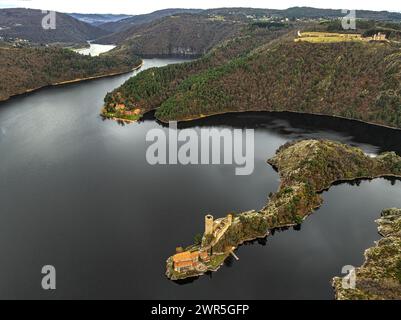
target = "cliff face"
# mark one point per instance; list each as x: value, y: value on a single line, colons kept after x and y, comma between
x: 380, y: 276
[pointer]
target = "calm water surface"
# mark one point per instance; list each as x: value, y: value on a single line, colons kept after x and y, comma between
x: 76, y: 192
x: 95, y: 49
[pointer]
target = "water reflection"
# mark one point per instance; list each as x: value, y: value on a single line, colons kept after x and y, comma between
x: 77, y: 192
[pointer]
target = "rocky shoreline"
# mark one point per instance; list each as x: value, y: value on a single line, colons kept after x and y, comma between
x: 306, y: 168
x: 380, y: 276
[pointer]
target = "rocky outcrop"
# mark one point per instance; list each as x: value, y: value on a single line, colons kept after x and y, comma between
x: 380, y: 276
x: 306, y: 168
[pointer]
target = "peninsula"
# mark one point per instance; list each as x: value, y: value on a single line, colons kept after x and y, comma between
x: 306, y: 168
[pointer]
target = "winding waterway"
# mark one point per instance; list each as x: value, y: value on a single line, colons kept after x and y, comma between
x: 76, y: 192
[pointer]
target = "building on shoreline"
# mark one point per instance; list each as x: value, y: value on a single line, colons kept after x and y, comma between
x: 195, y: 260
x: 189, y: 261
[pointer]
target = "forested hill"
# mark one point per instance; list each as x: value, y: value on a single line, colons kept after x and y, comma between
x: 358, y: 80
x: 247, y: 15
x: 26, y: 69
x: 27, y: 24
x: 181, y: 35
x: 129, y: 22
x: 99, y: 19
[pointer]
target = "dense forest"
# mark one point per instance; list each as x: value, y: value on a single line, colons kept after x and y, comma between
x: 179, y: 35
x: 152, y: 87
x: 354, y: 80
x: 246, y: 15
x: 25, y: 69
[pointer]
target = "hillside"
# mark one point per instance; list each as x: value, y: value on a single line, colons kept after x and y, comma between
x: 180, y: 35
x: 26, y: 69
x: 152, y: 87
x: 358, y: 80
x: 127, y: 23
x: 99, y: 19
x: 300, y: 13
x: 27, y: 24
x: 194, y: 32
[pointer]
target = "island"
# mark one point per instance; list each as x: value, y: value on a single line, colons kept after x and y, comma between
x: 306, y: 168
x: 380, y: 276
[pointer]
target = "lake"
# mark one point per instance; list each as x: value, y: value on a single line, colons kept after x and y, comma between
x: 76, y: 192
x: 95, y: 49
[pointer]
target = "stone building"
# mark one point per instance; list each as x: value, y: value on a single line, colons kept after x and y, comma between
x: 188, y: 261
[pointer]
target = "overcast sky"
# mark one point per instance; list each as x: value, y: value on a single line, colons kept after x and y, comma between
x: 145, y: 6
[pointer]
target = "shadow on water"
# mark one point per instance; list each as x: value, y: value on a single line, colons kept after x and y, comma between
x: 386, y: 138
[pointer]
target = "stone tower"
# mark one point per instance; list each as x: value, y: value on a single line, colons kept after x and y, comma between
x: 230, y: 219
x: 209, y: 221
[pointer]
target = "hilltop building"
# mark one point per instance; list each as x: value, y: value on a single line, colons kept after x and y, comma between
x: 195, y: 260
x: 379, y: 37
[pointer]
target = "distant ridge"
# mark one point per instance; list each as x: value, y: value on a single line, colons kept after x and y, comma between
x: 27, y: 24
x: 125, y: 24
x: 99, y: 19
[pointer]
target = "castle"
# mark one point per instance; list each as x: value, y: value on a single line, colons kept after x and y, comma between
x: 194, y: 260
x: 217, y: 228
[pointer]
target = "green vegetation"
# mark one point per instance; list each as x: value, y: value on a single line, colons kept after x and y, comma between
x: 121, y: 116
x: 398, y: 270
x: 151, y: 88
x: 174, y: 35
x: 306, y: 168
x: 26, y: 69
x: 216, y: 261
x: 367, y: 28
x: 198, y: 239
x: 380, y: 276
x: 353, y: 79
